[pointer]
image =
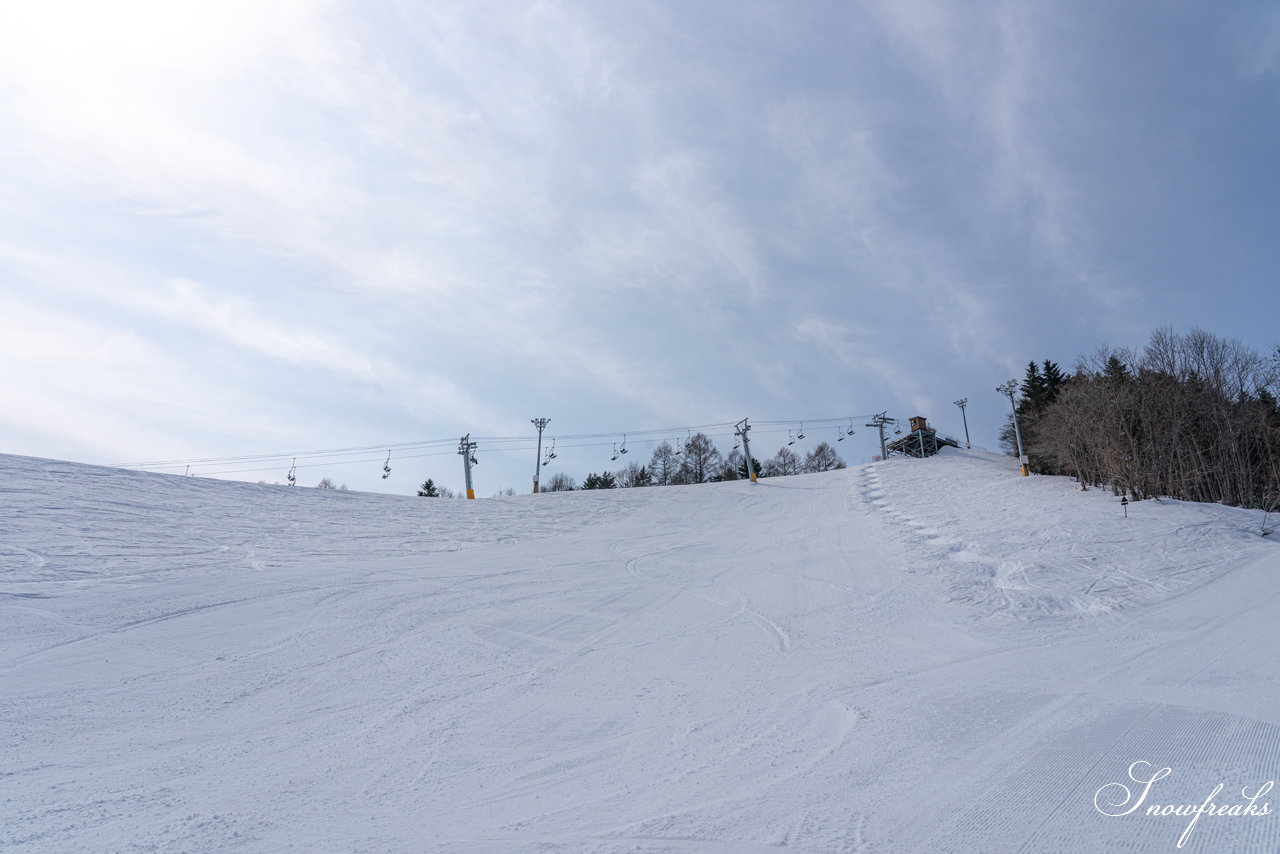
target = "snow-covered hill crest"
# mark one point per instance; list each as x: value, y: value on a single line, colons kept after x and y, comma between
x: 915, y: 655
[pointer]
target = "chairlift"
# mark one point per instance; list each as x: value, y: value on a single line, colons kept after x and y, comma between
x: 623, y: 449
x: 800, y: 435
x: 386, y: 467
x: 474, y: 461
x: 293, y: 478
x: 551, y: 453
x: 850, y: 430
x: 839, y: 435
x: 615, y: 452
x: 791, y: 440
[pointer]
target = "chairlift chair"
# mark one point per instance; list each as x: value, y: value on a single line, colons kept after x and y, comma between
x: 386, y: 467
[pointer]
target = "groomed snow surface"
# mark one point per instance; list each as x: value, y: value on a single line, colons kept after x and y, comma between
x: 908, y: 656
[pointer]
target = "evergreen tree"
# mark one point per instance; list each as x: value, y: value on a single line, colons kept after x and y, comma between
x: 1032, y: 391
x: 1041, y: 386
x: 634, y: 474
x: 428, y: 489
x: 1116, y: 371
x: 1053, y: 380
x: 604, y: 480
x: 735, y: 466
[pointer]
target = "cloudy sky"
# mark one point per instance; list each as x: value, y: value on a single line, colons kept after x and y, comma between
x: 235, y: 228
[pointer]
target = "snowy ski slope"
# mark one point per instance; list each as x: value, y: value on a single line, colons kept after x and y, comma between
x: 910, y: 656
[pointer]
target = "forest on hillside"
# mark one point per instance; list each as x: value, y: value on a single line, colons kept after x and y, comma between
x: 1190, y: 416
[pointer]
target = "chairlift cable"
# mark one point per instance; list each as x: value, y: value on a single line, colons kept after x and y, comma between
x: 243, y: 463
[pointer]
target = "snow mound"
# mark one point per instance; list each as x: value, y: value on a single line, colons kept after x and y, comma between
x: 1037, y: 547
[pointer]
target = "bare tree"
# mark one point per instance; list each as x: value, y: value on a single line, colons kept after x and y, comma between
x: 635, y: 474
x: 734, y: 465
x: 785, y: 462
x: 700, y: 460
x: 560, y: 482
x: 664, y: 465
x: 1194, y: 417
x: 822, y: 458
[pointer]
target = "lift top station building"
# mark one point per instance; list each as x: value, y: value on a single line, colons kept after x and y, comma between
x: 922, y: 441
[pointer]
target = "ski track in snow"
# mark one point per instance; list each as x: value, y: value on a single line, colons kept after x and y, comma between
x: 909, y: 656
